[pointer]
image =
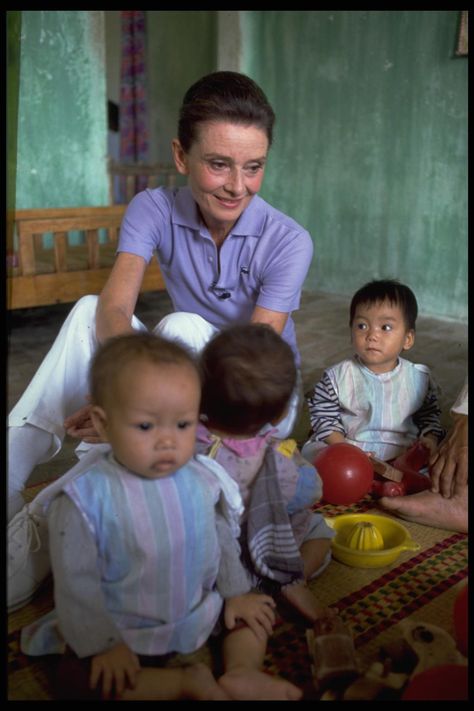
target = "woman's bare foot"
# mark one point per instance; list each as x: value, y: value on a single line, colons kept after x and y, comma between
x: 430, y: 509
x: 302, y: 599
x: 243, y: 684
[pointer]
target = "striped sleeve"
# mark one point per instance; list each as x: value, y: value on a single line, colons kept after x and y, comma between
x: 324, y: 410
x: 427, y: 418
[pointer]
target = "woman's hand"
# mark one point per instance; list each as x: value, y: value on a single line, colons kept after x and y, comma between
x: 256, y: 610
x: 79, y: 425
x: 117, y: 668
x: 449, y: 464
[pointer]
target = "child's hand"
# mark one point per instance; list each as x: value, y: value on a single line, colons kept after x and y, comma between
x: 335, y: 438
x: 254, y: 609
x: 118, y: 668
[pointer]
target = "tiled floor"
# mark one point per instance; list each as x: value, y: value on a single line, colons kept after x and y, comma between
x: 323, y: 336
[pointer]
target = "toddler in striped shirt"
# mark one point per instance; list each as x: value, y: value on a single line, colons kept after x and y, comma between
x: 376, y: 399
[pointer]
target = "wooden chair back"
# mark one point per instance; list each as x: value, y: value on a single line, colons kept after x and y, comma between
x: 126, y: 180
x: 65, y: 272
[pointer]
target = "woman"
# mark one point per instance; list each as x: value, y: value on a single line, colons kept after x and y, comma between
x: 226, y: 256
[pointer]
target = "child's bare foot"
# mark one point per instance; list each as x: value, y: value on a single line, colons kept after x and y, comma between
x: 300, y: 597
x: 199, y: 684
x: 192, y: 682
x: 243, y: 684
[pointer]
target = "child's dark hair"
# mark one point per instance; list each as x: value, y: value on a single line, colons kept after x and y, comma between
x: 387, y: 290
x: 248, y: 375
x: 224, y: 96
x: 119, y: 351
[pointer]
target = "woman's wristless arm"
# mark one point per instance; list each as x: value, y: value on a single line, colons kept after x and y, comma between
x: 113, y: 317
x: 119, y: 296
x: 276, y: 319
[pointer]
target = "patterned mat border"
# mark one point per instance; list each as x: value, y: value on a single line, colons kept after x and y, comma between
x: 376, y: 607
x: 404, y: 589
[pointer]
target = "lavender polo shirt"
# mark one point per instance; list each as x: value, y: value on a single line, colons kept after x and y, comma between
x: 263, y: 261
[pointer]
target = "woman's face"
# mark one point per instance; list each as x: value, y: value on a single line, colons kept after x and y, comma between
x: 225, y: 169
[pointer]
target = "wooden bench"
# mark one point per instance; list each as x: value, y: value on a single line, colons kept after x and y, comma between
x: 128, y: 179
x: 38, y: 274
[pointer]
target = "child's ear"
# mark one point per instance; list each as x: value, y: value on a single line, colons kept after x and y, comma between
x: 99, y: 420
x: 179, y: 156
x: 409, y: 340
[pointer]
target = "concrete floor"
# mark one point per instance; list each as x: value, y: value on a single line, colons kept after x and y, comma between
x: 323, y: 337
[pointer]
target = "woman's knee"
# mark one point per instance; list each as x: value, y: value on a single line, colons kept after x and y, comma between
x: 86, y: 306
x: 189, y: 329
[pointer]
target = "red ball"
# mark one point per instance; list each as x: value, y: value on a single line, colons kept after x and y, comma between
x: 346, y: 472
x: 460, y: 620
x: 447, y: 682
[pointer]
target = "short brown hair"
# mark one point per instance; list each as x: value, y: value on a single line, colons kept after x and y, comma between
x: 248, y: 376
x: 224, y: 96
x: 117, y: 352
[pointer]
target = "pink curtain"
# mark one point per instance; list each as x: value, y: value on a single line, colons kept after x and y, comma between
x: 133, y: 100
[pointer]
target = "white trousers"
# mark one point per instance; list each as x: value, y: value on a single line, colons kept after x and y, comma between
x: 60, y: 385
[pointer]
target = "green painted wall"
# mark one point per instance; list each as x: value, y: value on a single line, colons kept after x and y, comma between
x: 181, y: 47
x: 13, y: 76
x: 175, y: 59
x: 62, y: 126
x: 371, y: 144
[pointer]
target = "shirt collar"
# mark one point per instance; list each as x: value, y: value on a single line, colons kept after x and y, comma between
x: 241, y: 447
x: 185, y: 210
x: 381, y: 376
x: 185, y: 213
